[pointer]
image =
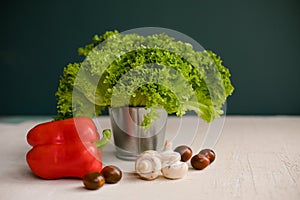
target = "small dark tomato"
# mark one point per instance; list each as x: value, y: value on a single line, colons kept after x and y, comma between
x: 112, y: 174
x: 199, y: 161
x: 93, y: 180
x: 210, y: 154
x: 185, y: 152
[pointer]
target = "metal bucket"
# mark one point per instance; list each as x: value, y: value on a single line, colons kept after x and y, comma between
x: 130, y: 137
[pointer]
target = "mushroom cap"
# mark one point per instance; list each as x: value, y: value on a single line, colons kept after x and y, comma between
x: 169, y: 158
x: 148, y: 165
x: 175, y: 171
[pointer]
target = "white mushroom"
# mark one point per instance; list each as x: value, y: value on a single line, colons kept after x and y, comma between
x: 176, y: 170
x: 148, y: 165
x: 173, y: 168
x: 168, y: 156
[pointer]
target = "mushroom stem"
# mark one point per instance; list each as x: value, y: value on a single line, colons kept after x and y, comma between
x: 168, y: 145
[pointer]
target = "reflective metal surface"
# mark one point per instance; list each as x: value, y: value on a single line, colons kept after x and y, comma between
x: 130, y: 137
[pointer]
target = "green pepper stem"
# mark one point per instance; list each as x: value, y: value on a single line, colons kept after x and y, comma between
x: 105, y: 139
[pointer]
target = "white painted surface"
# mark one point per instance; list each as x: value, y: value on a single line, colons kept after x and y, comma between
x: 257, y: 158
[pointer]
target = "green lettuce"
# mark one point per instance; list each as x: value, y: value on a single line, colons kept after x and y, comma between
x: 134, y: 70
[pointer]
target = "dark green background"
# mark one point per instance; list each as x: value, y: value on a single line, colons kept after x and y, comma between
x: 259, y: 41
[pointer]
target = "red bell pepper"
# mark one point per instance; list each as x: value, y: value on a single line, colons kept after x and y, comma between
x: 65, y: 148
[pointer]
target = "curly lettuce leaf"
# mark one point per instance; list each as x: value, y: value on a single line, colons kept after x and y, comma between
x: 156, y: 61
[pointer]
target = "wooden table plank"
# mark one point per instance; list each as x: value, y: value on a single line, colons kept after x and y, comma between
x: 262, y: 156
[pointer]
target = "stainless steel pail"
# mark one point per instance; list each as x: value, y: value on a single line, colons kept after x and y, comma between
x: 130, y: 137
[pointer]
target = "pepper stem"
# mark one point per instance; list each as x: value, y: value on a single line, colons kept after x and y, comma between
x: 105, y: 139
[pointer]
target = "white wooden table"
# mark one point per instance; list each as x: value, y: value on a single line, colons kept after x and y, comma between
x: 257, y: 158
